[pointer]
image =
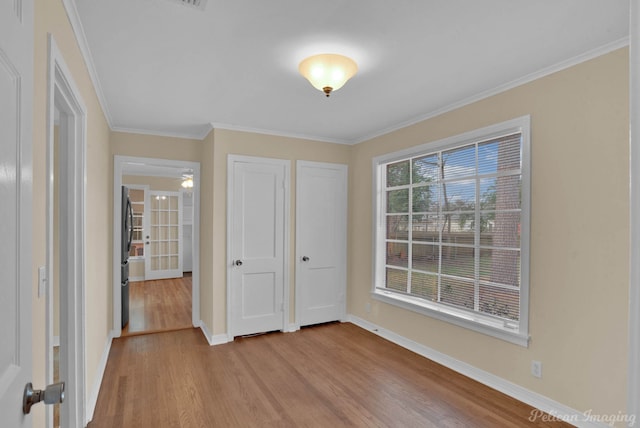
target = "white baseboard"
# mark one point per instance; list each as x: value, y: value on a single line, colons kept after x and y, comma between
x: 136, y: 278
x: 102, y: 365
x: 218, y: 339
x: 547, y: 405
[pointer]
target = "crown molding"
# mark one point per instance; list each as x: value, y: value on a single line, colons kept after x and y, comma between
x: 230, y: 127
x: 215, y: 125
x: 157, y: 133
x: 586, y: 56
x: 78, y: 30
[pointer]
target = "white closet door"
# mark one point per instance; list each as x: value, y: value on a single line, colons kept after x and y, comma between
x: 256, y: 233
x: 321, y: 242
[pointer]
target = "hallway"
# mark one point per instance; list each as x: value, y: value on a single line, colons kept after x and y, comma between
x: 158, y: 306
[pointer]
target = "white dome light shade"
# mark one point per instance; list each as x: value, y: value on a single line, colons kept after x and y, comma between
x: 328, y: 72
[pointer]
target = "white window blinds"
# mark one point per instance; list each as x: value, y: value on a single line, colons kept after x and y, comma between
x: 451, y: 222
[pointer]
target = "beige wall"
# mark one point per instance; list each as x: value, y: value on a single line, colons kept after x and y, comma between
x: 154, y: 183
x: 153, y: 146
x: 220, y: 143
x: 50, y: 17
x: 579, y: 236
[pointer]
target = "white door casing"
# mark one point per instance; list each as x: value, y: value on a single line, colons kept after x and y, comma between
x: 64, y: 96
x: 163, y: 235
x: 16, y: 99
x: 130, y: 165
x: 321, y: 242
x: 257, y: 240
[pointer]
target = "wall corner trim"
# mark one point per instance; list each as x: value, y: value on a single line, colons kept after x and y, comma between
x: 218, y: 339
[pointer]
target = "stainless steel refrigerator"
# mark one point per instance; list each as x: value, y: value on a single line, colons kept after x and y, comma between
x: 126, y: 237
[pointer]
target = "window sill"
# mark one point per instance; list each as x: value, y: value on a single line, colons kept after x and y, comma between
x: 464, y: 319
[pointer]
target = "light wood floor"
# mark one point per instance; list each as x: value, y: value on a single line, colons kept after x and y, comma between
x: 331, y: 375
x: 161, y: 305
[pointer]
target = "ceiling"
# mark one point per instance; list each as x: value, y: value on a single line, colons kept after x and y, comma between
x: 165, y: 68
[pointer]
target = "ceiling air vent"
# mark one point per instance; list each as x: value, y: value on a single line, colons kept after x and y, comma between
x: 196, y: 4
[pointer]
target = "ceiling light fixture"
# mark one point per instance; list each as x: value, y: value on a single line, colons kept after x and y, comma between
x: 328, y: 72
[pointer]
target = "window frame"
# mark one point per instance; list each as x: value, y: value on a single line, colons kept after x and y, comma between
x: 514, y: 332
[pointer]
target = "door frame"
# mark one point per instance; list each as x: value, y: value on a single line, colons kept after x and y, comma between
x: 119, y: 164
x: 64, y: 94
x: 298, y: 280
x: 231, y: 160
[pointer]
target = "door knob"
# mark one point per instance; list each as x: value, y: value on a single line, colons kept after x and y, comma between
x: 238, y: 263
x: 52, y: 394
x: 305, y: 258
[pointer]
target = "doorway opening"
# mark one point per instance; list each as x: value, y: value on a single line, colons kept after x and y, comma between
x: 157, y: 273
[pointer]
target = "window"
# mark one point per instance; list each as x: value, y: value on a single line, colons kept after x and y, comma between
x: 452, y: 229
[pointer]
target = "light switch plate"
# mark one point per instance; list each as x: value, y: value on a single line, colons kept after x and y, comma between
x: 42, y: 281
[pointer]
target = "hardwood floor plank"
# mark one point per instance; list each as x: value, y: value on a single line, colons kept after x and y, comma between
x: 331, y: 375
x: 160, y: 305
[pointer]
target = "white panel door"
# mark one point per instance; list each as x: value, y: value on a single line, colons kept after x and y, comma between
x: 163, y: 239
x: 321, y: 242
x: 257, y: 229
x: 16, y: 82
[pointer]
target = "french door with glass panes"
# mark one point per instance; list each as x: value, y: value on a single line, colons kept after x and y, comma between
x: 163, y: 239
